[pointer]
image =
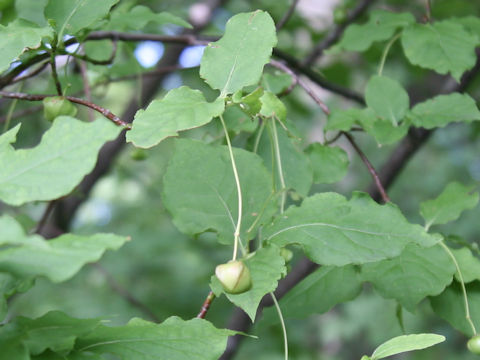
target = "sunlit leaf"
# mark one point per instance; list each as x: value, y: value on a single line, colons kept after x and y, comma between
x: 335, y: 231
x: 181, y: 109
x: 237, y: 59
x: 266, y: 268
x: 443, y: 46
x: 449, y: 205
x: 68, y: 151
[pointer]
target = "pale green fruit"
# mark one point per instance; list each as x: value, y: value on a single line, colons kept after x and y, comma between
x: 234, y: 277
x: 474, y: 345
x: 57, y: 106
x: 286, y: 254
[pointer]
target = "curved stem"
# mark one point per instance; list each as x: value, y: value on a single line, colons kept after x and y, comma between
x: 259, y: 136
x: 236, y: 234
x: 462, y: 284
x: 9, y: 114
x: 385, y: 53
x: 279, y: 165
x: 284, y: 329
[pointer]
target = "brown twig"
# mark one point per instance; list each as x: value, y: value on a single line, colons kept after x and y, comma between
x: 333, y: 36
x: 369, y: 166
x: 45, y: 215
x: 288, y: 14
x: 53, y: 65
x: 297, y: 80
x: 206, y: 305
x: 86, y: 58
x: 294, y: 64
x: 31, y: 74
x: 187, y: 39
x: 39, y: 97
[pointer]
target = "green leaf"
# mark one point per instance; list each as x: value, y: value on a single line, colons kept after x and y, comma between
x: 18, y: 36
x: 468, y: 263
x: 54, y: 330
x: 450, y: 306
x: 383, y: 130
x: 11, y: 343
x: 31, y: 11
x: 181, y: 109
x: 387, y: 98
x: 277, y: 82
x: 443, y: 46
x: 266, y: 268
x: 237, y: 59
x: 449, y: 205
x: 272, y: 106
x: 296, y: 168
x: 67, y: 152
x: 10, y: 285
x: 139, y: 16
x: 415, y: 274
x: 444, y: 109
x: 335, y: 231
x: 174, y: 339
x: 343, y: 120
x: 57, y: 259
x: 200, y: 191
x: 72, y: 16
x: 471, y: 23
x: 380, y: 26
x: 404, y: 343
x: 330, y: 163
x: 320, y: 291
x: 250, y: 103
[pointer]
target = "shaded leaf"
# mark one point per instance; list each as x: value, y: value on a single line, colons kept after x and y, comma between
x: 387, y: 98
x: 330, y: 163
x: 343, y: 120
x: 174, y: 339
x: 17, y: 37
x: 237, y: 59
x: 444, y: 46
x: 67, y: 152
x: 54, y: 330
x: 415, y: 274
x: 444, y: 109
x: 404, y: 343
x: 335, y: 231
x: 200, y: 191
x: 320, y: 291
x: 380, y: 26
x: 468, y: 263
x: 266, y: 268
x: 449, y: 205
x: 181, y: 109
x: 272, y: 106
x: 296, y: 168
x: 450, y: 306
x: 277, y: 82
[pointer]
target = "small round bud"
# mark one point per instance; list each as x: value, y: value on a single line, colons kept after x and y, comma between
x: 286, y: 254
x: 234, y: 277
x: 57, y: 106
x: 473, y: 345
x: 138, y: 154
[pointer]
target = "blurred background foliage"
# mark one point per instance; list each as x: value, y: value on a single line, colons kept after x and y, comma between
x: 169, y: 272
